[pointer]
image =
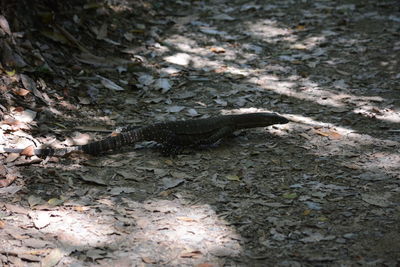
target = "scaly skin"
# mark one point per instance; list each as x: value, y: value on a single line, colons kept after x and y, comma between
x: 172, y: 135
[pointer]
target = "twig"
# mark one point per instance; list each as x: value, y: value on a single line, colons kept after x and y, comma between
x: 72, y: 39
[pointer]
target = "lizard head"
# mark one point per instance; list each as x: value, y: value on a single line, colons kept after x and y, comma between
x: 275, y: 118
x: 261, y: 119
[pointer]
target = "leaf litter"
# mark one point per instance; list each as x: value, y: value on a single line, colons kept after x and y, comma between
x: 329, y: 179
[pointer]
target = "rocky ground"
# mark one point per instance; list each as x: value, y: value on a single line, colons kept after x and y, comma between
x: 322, y: 190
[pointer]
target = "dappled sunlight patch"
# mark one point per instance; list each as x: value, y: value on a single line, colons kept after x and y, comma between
x: 363, y: 139
x: 327, y: 141
x: 156, y: 230
x: 376, y: 166
x: 244, y: 110
x: 308, y: 91
x: 189, y: 227
x: 308, y: 43
x: 339, y: 101
x: 267, y: 29
x: 81, y: 229
x: 372, y: 111
x: 185, y: 60
x: 181, y: 59
x: 237, y: 71
x: 307, y: 121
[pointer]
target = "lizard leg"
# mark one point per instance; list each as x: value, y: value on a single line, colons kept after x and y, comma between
x: 216, y: 136
x: 174, y: 144
x: 171, y: 150
x: 171, y: 144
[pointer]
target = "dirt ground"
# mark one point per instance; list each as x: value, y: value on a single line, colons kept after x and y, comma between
x: 322, y: 190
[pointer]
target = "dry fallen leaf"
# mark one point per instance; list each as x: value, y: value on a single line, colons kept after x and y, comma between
x: 26, y: 115
x: 17, y: 209
x: 52, y: 258
x: 148, y: 260
x: 9, y: 179
x: 352, y: 166
x: 328, y: 133
x: 206, y: 264
x: 21, y: 91
x: 221, y: 69
x: 231, y: 177
x: 55, y: 36
x: 290, y: 195
x: 4, y: 25
x: 55, y: 201
x: 191, y: 254
x: 34, y: 200
x: 306, y: 212
x: 28, y: 151
x: 186, y: 219
x: 335, y: 135
x: 217, y: 50
x: 306, y: 136
x: 320, y: 131
x: 81, y: 208
x: 109, y: 84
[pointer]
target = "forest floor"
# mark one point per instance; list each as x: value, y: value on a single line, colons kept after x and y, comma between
x: 322, y: 190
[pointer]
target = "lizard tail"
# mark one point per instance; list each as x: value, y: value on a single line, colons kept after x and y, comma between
x: 94, y: 148
x: 112, y: 142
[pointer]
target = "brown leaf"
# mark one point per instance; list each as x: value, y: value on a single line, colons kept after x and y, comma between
x: 11, y: 157
x: 18, y: 109
x: 206, y: 264
x: 334, y: 135
x: 81, y: 208
x: 16, y: 209
x: 306, y: 212
x: 352, y: 166
x: 191, y: 254
x: 21, y: 91
x: 15, y: 124
x: 28, y: 151
x: 165, y: 193
x: 9, y: 179
x: 148, y: 260
x: 186, y: 219
x: 221, y: 69
x: 217, y: 50
x: 3, y: 170
x: 328, y: 133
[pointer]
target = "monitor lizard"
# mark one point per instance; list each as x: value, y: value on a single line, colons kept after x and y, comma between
x: 173, y: 135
